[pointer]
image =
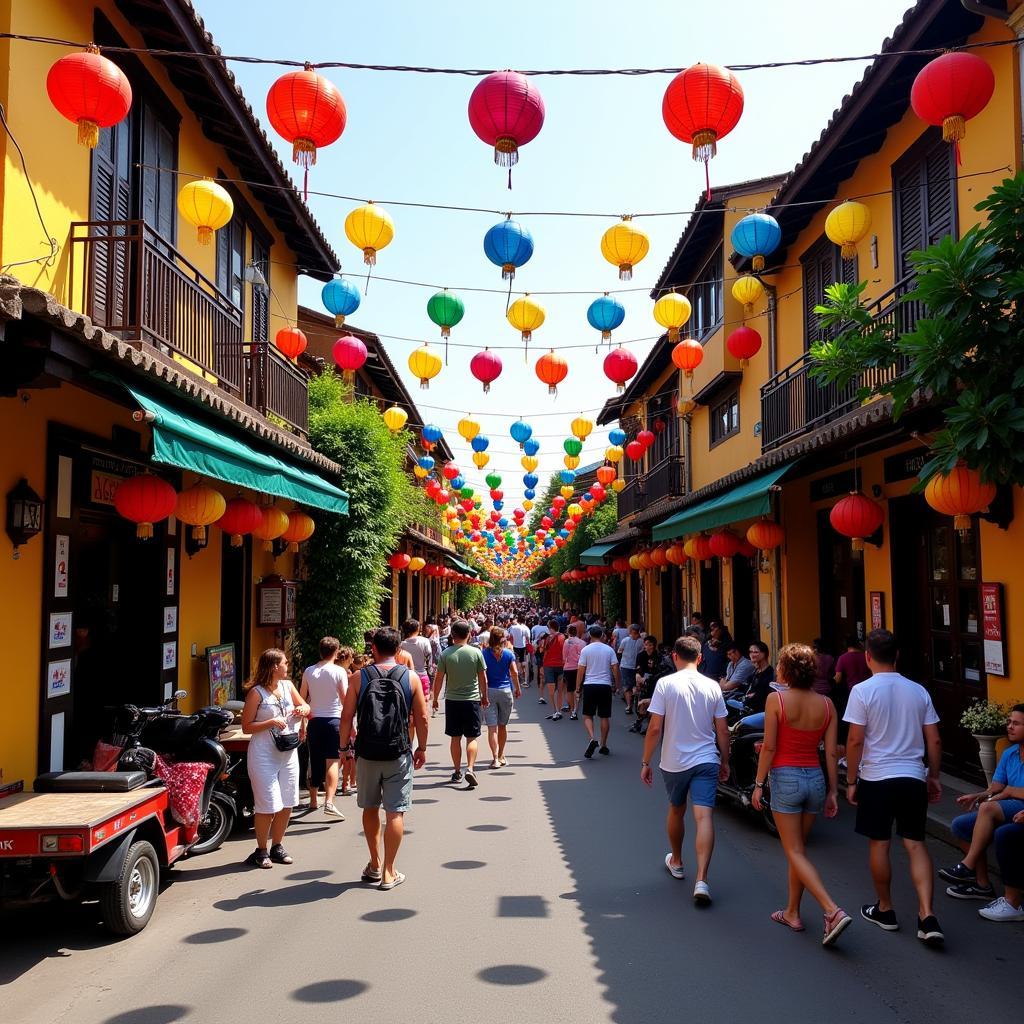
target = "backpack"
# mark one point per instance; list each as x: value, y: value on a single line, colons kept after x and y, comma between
x: 382, y: 715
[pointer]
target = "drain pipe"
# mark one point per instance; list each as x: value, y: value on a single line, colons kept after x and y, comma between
x: 773, y: 311
x: 687, y: 488
x: 777, y: 587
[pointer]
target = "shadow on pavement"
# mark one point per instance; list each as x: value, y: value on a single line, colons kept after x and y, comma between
x: 164, y: 1013
x: 290, y: 896
x: 464, y: 865
x: 512, y: 974
x: 329, y: 991
x: 487, y: 828
x: 215, y: 935
x: 522, y: 906
x: 392, y: 914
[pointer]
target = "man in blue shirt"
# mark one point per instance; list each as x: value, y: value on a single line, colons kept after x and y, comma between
x: 991, y: 811
x: 738, y: 672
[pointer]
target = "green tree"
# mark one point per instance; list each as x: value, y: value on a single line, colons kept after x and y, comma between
x: 965, y: 354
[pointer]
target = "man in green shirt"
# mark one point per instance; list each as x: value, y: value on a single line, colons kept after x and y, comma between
x: 464, y: 673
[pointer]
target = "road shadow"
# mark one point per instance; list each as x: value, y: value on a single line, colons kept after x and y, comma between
x: 215, y: 935
x: 165, y: 1013
x: 512, y: 974
x: 289, y: 896
x: 334, y: 991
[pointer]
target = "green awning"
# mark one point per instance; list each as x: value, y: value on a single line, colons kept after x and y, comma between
x: 595, y: 555
x: 188, y: 443
x: 462, y: 566
x: 744, y: 501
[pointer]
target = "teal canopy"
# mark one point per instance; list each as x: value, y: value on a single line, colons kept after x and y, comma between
x: 595, y: 555
x: 462, y: 566
x: 188, y: 443
x: 744, y: 501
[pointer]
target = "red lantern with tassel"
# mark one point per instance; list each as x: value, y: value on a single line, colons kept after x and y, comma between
x: 91, y: 91
x: 291, y: 342
x: 552, y: 369
x: 950, y: 90
x: 240, y: 518
x: 856, y: 516
x: 619, y: 366
x: 308, y: 111
x: 688, y: 355
x: 349, y: 354
x: 506, y: 111
x: 743, y: 344
x: 145, y: 499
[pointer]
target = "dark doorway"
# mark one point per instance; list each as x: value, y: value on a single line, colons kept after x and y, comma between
x: 403, y: 597
x: 636, y: 597
x: 744, y: 599
x: 710, y: 590
x: 671, y: 605
x: 236, y: 602
x: 841, y: 583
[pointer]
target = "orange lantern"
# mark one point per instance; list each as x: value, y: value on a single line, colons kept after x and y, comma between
x: 688, y: 355
x: 552, y: 370
x: 606, y: 474
x: 241, y: 516
x: 144, y: 499
x: 634, y: 562
x: 273, y: 526
x: 200, y: 507
x: 699, y: 548
x: 659, y: 558
x: 675, y: 553
x: 765, y: 535
x: 724, y: 544
x: 291, y: 342
x: 300, y: 529
x: 960, y: 493
x: 646, y: 561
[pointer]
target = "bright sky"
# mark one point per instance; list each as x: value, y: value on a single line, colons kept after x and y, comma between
x: 603, y: 147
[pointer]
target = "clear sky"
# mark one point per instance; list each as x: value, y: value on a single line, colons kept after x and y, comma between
x: 603, y: 147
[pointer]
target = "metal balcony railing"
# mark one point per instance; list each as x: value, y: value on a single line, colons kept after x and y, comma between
x: 663, y: 480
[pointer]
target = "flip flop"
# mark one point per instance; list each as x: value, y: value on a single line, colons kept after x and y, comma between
x: 397, y: 880
x: 370, y: 875
x: 779, y: 917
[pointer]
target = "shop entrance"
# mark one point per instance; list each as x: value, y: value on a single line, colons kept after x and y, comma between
x: 710, y: 591
x: 671, y: 605
x: 841, y: 587
x: 235, y: 603
x: 636, y: 598
x: 744, y: 600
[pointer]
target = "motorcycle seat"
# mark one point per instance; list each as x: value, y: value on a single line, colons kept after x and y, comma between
x: 742, y: 728
x: 89, y: 782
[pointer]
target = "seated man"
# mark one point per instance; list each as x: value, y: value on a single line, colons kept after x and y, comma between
x: 991, y: 811
x: 738, y: 672
x: 1009, y: 844
x: 651, y: 665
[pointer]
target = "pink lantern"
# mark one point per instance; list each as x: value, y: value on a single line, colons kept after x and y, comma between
x: 486, y: 367
x: 506, y: 111
x: 349, y: 355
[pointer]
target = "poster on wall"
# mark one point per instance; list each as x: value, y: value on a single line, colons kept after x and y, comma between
x: 171, y: 619
x: 170, y: 655
x: 60, y: 629
x: 58, y: 678
x: 993, y: 628
x: 220, y: 663
x: 170, y: 571
x: 60, y: 566
x: 877, y: 609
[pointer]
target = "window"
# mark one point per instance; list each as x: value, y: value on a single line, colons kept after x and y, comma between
x: 822, y: 266
x: 662, y: 422
x: 725, y: 418
x: 231, y: 259
x: 705, y: 296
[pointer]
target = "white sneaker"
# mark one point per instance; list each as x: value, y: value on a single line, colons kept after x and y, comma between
x: 1002, y: 910
x: 701, y: 894
x: 332, y: 812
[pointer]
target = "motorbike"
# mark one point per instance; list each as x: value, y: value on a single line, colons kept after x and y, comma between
x: 745, y: 739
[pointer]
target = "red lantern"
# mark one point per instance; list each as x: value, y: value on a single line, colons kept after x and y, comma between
x: 699, y: 548
x: 675, y: 554
x: 349, y: 354
x: 241, y: 517
x: 621, y: 564
x: 856, y: 516
x: 724, y: 544
x: 702, y: 105
x: 747, y: 550
x: 146, y: 499
x: 688, y: 355
x: 291, y: 342
x: 646, y: 438
x: 552, y: 370
x: 659, y: 426
x: 743, y: 344
x: 450, y: 471
x: 506, y: 111
x: 91, y: 91
x: 659, y: 556
x: 635, y: 450
x: 399, y: 561
x: 306, y: 110
x: 765, y: 535
x: 619, y: 365
x: 950, y: 90
x: 486, y: 367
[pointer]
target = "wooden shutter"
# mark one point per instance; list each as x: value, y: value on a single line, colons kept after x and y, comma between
x: 109, y: 200
x: 924, y: 184
x: 157, y: 178
x: 260, y: 298
x: 940, y: 192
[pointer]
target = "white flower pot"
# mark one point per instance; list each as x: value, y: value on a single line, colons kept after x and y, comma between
x: 987, y: 753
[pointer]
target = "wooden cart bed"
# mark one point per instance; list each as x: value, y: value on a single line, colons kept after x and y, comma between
x: 67, y: 810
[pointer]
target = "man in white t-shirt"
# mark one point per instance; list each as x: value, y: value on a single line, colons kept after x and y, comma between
x: 539, y: 631
x: 520, y: 637
x: 688, y: 714
x: 893, y: 730
x: 597, y: 670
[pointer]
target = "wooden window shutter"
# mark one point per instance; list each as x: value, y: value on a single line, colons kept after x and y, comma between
x: 109, y: 200
x: 940, y: 192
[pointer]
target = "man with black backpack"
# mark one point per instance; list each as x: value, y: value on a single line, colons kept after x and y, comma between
x: 380, y: 701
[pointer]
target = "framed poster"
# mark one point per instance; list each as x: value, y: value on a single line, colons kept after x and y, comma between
x: 170, y: 572
x: 220, y: 663
x: 60, y: 566
x: 993, y: 628
x: 170, y: 656
x: 877, y: 609
x: 60, y: 629
x: 58, y: 678
x: 171, y: 619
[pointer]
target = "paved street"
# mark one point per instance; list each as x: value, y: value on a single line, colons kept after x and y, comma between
x: 541, y: 896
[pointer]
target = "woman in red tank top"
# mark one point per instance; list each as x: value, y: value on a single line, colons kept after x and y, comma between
x: 796, y: 722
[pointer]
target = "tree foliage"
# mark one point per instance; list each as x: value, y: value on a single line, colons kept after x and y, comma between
x: 966, y: 353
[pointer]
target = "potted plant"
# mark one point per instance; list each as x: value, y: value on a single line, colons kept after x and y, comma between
x: 986, y: 720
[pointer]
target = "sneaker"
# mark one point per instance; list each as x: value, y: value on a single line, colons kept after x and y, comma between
x: 565, y: 707
x: 605, y: 751
x: 929, y: 931
x: 556, y: 717
x: 471, y: 780
x: 971, y: 891
x: 1002, y: 910
x: 885, y: 919
x: 675, y: 870
x: 456, y: 777
x: 495, y: 763
x: 835, y: 926
x: 958, y: 873
x: 332, y: 812
x: 433, y: 713
x: 629, y: 710
x: 591, y: 747
x: 702, y: 894
x: 541, y: 700
x: 552, y: 716
x: 574, y: 717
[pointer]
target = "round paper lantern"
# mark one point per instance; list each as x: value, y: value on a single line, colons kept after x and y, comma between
x: 659, y: 557
x: 341, y: 298
x: 743, y: 344
x: 451, y: 471
x: 552, y: 370
x: 521, y: 433
x: 479, y: 443
x: 950, y: 90
x: 300, y: 529
x: 606, y: 474
x: 399, y: 561
x: 241, y: 516
x: 445, y: 309
x: 724, y: 544
x: 567, y: 491
x: 699, y: 548
x: 604, y: 314
x: 635, y: 450
x: 199, y: 507
x: 685, y: 406
x: 619, y: 366
x: 416, y: 563
x: 645, y: 560
x: 205, y: 205
x: 613, y: 453
x: 480, y: 459
x: 616, y: 436
x: 756, y: 236
x: 572, y: 445
x: 508, y: 245
x: 688, y: 355
x: 529, y: 463
x: 646, y: 438
x: 307, y: 110
x: 635, y: 562
x: 432, y: 434
x: 145, y: 499
x: 395, y: 418
x: 506, y: 111
x: 960, y: 493
x: 468, y: 428
x: 486, y: 367
x: 748, y: 290
x: 91, y: 91
x: 274, y: 524
x: 291, y: 342
x: 371, y: 229
x: 856, y: 516
x: 425, y: 364
x: 581, y: 427
x: 675, y: 553
x: 618, y: 485
x: 526, y: 316
x: 765, y: 535
x: 531, y: 445
x: 624, y: 246
x: 621, y: 564
x: 571, y: 461
x: 349, y: 354
x: 846, y: 225
x: 672, y: 312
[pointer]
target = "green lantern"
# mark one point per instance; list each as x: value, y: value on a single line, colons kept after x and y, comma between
x: 572, y: 446
x: 466, y: 492
x: 445, y: 309
x: 493, y: 480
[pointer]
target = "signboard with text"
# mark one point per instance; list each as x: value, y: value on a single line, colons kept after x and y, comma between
x: 993, y: 628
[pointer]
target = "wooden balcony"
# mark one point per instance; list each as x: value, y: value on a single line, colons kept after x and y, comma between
x: 277, y: 387
x: 794, y: 403
x: 663, y: 480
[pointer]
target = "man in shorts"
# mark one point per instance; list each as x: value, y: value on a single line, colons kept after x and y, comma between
x: 688, y: 713
x: 553, y: 662
x: 571, y: 652
x: 628, y: 650
x: 597, y: 672
x: 463, y: 669
x: 537, y: 633
x: 893, y: 728
x: 520, y: 637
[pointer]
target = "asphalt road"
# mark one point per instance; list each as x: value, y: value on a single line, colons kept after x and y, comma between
x: 541, y: 896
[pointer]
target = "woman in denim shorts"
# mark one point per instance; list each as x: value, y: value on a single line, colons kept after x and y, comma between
x: 797, y: 720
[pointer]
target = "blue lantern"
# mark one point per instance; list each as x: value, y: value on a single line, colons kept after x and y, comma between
x: 529, y: 494
x: 480, y: 443
x: 757, y: 235
x: 432, y: 434
x: 587, y: 496
x: 425, y: 462
x: 503, y: 522
x: 341, y: 298
x: 498, y: 506
x: 508, y: 245
x: 617, y: 436
x: 520, y: 432
x: 532, y: 446
x: 567, y: 476
x: 458, y: 482
x: 531, y: 480
x: 605, y: 314
x: 563, y: 533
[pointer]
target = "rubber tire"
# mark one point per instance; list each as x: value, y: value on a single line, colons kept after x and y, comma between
x: 222, y: 821
x: 114, y: 895
x: 766, y: 812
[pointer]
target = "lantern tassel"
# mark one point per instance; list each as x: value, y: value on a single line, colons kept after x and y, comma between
x: 446, y: 331
x: 962, y: 523
x: 673, y: 334
x: 758, y: 264
x: 508, y: 271
x: 848, y: 251
x: 487, y: 387
x: 339, y: 320
x: 199, y: 533
x: 88, y: 133
x: 625, y: 271
x: 144, y: 531
x: 205, y: 234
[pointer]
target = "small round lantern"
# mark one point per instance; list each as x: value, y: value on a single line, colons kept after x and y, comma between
x: 145, y: 499
x: 308, y: 111
x: 672, y: 312
x: 552, y: 369
x: 300, y: 529
x: 395, y: 418
x: 486, y: 367
x: 581, y: 427
x: 526, y: 316
x: 724, y: 544
x: 846, y: 225
x: 445, y: 309
x: 205, y: 205
x: 960, y: 493
x: 425, y: 364
x: 399, y: 561
x: 199, y: 507
x: 369, y: 228
x: 619, y: 366
x: 605, y: 314
x: 341, y: 298
x: 743, y: 344
x: 950, y: 90
x: 508, y: 245
x: 756, y: 236
x: 416, y: 563
x: 856, y: 516
x: 291, y: 342
x: 747, y: 290
x: 91, y: 91
x: 349, y: 354
x: 624, y: 246
x: 274, y: 525
x: 506, y: 111
x: 765, y: 535
x: 688, y: 355
x: 241, y: 517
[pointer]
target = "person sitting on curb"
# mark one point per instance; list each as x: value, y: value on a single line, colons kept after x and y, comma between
x: 989, y: 811
x: 1009, y: 845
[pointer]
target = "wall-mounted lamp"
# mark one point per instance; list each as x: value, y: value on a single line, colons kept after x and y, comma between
x: 254, y: 276
x: 24, y: 514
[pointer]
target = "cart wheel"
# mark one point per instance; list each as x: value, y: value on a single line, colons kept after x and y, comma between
x: 128, y: 903
x: 213, y: 829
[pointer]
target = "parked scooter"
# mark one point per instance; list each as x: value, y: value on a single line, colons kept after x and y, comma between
x: 744, y: 750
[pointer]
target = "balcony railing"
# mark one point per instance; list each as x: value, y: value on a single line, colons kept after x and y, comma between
x: 794, y: 403
x: 663, y: 480
x: 276, y: 386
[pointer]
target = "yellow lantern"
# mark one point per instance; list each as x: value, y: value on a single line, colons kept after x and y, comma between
x: 574, y: 510
x: 274, y: 524
x: 672, y: 312
x: 748, y: 290
x: 416, y: 563
x: 613, y: 453
x: 425, y: 363
x: 624, y: 246
x: 581, y: 427
x: 530, y: 462
x: 526, y: 316
x: 617, y: 484
x: 527, y: 505
x: 480, y: 459
x: 395, y: 418
x: 468, y: 428
x: 200, y: 507
x: 846, y: 225
x: 571, y: 461
x: 206, y: 205
x: 567, y: 491
x: 369, y: 228
x: 685, y: 406
x: 419, y: 472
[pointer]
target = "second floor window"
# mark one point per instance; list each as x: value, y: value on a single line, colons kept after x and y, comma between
x: 822, y: 265
x: 725, y: 418
x: 705, y: 296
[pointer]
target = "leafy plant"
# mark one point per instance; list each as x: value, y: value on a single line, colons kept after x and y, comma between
x: 965, y: 354
x: 985, y: 718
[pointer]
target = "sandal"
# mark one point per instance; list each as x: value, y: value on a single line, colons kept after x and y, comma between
x: 779, y: 917
x: 398, y: 879
x: 278, y: 854
x: 371, y: 874
x: 258, y: 859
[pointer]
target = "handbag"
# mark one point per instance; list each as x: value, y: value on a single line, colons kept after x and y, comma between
x: 284, y: 741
